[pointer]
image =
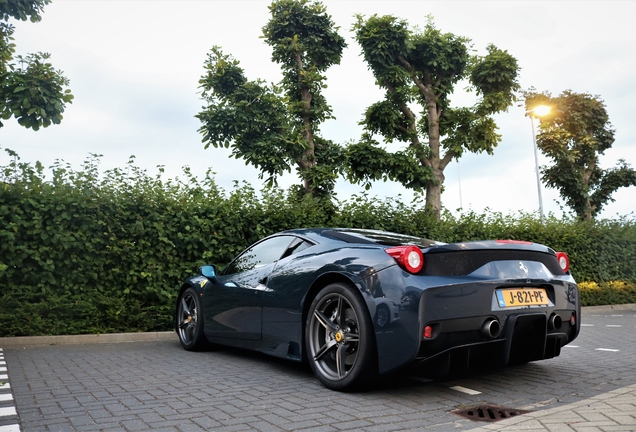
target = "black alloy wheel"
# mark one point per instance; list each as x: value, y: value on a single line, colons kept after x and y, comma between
x: 339, y: 338
x: 190, y: 321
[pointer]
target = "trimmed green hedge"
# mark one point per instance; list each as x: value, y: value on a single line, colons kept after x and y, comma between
x: 607, y: 293
x: 85, y: 252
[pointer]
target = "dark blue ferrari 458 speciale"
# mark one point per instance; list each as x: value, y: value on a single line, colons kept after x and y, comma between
x: 356, y: 303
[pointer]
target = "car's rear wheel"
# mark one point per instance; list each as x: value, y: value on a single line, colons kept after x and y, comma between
x: 339, y: 338
x: 190, y: 321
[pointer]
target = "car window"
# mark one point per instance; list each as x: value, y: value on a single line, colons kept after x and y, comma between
x: 296, y: 246
x: 301, y: 247
x: 261, y: 254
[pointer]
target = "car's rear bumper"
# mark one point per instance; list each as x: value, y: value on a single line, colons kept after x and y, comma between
x: 524, y: 336
x: 457, y: 308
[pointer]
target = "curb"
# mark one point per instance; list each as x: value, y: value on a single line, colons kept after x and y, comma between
x: 608, y: 308
x: 86, y: 338
x: 550, y: 420
x: 171, y: 335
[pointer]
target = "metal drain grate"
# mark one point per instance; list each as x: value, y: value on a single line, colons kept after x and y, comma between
x: 489, y: 413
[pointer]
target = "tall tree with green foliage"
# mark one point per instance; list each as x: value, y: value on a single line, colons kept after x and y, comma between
x: 418, y: 70
x: 31, y: 90
x: 276, y: 127
x: 573, y: 135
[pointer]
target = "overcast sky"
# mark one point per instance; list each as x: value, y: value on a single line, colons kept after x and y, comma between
x: 134, y: 68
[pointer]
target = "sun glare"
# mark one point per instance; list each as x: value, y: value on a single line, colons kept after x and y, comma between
x: 541, y: 110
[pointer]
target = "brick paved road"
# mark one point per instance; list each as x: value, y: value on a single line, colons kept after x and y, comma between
x: 158, y: 386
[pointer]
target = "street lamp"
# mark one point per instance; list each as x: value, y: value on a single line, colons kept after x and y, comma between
x: 537, y: 111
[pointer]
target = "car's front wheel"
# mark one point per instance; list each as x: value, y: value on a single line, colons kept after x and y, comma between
x: 190, y: 321
x: 339, y: 338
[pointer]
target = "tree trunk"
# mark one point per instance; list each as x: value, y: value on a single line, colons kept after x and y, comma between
x: 434, y: 194
x: 308, y: 159
x: 434, y: 187
x: 587, y: 215
x: 585, y: 180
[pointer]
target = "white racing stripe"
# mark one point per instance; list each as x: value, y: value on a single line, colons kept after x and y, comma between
x: 607, y: 349
x: 465, y: 390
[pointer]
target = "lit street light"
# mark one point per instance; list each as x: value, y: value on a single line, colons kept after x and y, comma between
x: 537, y: 111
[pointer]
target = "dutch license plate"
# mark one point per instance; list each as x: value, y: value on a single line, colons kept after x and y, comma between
x: 515, y: 297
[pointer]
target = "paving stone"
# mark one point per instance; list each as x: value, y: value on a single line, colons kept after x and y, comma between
x: 106, y: 386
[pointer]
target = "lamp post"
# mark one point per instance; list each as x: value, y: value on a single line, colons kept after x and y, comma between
x: 538, y: 111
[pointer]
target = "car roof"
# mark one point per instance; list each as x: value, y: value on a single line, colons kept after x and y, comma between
x: 363, y: 236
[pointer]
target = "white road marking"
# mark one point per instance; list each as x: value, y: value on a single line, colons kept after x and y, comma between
x: 587, y: 325
x: 607, y: 349
x: 571, y: 346
x: 465, y: 390
x: 613, y: 325
x: 594, y: 315
x: 617, y: 315
x: 8, y: 411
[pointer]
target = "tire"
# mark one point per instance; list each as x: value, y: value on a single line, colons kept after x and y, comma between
x: 339, y: 338
x: 190, y: 321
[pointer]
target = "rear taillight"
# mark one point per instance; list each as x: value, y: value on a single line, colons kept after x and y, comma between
x: 410, y: 258
x: 564, y: 261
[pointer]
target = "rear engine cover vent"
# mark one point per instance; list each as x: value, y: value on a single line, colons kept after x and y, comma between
x: 489, y: 413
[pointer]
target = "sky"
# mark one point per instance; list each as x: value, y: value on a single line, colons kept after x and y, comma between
x: 134, y: 68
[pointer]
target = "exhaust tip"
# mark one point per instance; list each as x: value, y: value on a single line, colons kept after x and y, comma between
x: 554, y: 322
x: 491, y: 328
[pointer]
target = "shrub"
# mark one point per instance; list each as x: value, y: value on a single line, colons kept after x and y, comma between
x: 607, y: 293
x: 90, y: 253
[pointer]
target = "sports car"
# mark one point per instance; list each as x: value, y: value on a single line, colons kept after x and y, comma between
x: 356, y: 303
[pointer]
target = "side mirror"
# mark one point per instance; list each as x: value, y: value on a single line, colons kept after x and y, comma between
x: 208, y: 271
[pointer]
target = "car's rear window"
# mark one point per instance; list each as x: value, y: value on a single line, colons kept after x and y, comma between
x: 384, y: 238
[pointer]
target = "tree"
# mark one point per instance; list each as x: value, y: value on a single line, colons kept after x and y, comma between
x: 420, y: 69
x: 573, y: 135
x: 31, y: 90
x: 276, y: 127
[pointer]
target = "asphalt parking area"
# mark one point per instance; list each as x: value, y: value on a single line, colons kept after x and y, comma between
x: 158, y: 386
